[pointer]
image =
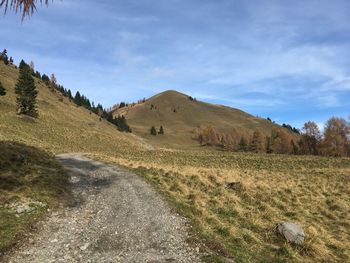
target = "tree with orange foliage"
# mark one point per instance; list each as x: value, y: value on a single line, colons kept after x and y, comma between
x: 230, y: 140
x: 227, y: 142
x: 258, y: 144
x: 282, y: 142
x: 208, y: 136
x: 310, y: 139
x: 214, y: 136
x: 336, y: 137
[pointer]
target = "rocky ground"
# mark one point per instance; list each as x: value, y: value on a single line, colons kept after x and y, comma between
x: 115, y: 217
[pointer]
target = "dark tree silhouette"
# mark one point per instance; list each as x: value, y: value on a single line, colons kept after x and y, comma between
x: 26, y: 93
x: 2, y: 90
x: 153, y: 131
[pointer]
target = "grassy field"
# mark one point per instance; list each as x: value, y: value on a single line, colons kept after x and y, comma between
x: 311, y: 191
x: 27, y: 175
x: 240, y: 224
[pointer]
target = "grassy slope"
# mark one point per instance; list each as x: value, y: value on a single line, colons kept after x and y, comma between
x: 312, y: 191
x: 61, y: 126
x: 37, y: 178
x: 189, y: 115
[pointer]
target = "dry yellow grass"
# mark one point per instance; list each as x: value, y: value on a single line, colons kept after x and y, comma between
x: 312, y: 191
x: 61, y: 126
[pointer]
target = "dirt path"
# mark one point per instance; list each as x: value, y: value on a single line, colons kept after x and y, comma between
x: 116, y: 217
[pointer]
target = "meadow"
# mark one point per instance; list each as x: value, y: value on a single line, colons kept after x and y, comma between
x: 234, y: 224
x: 239, y: 224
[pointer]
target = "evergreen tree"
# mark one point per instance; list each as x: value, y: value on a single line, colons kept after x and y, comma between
x: 22, y: 64
x: 2, y: 90
x: 37, y: 74
x: 153, y: 131
x: 161, y: 130
x: 120, y: 122
x: 4, y: 57
x: 26, y: 93
x: 46, y: 79
x: 69, y: 94
x: 78, y: 99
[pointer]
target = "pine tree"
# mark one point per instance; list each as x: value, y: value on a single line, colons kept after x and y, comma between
x: 78, y: 99
x: 37, y: 74
x: 46, y: 79
x: 120, y: 122
x: 2, y: 90
x: 4, y: 57
x: 161, y: 130
x: 22, y: 64
x: 69, y: 94
x: 26, y: 93
x: 153, y: 131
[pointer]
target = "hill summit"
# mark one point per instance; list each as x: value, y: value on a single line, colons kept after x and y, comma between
x: 180, y: 114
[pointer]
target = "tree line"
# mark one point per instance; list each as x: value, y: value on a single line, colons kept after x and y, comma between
x: 26, y: 94
x: 334, y: 141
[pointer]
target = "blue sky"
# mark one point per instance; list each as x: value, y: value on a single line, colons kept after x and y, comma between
x: 287, y: 60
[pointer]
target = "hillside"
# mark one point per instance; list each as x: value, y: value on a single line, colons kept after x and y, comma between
x: 61, y: 126
x: 180, y: 115
x: 231, y: 223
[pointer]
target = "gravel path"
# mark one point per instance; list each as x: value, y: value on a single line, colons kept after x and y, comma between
x: 116, y: 217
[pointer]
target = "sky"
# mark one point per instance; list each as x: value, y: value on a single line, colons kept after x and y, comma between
x: 287, y: 60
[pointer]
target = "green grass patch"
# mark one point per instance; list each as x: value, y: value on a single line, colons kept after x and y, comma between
x: 27, y: 175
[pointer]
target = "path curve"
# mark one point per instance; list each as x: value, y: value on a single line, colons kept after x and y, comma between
x: 116, y: 217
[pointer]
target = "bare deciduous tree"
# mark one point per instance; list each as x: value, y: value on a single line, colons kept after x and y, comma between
x: 53, y: 79
x: 32, y: 66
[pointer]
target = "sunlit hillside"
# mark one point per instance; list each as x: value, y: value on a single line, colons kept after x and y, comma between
x: 180, y: 115
x: 61, y: 126
x: 236, y: 224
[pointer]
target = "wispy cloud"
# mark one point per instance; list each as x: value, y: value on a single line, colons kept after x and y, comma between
x: 275, y: 58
